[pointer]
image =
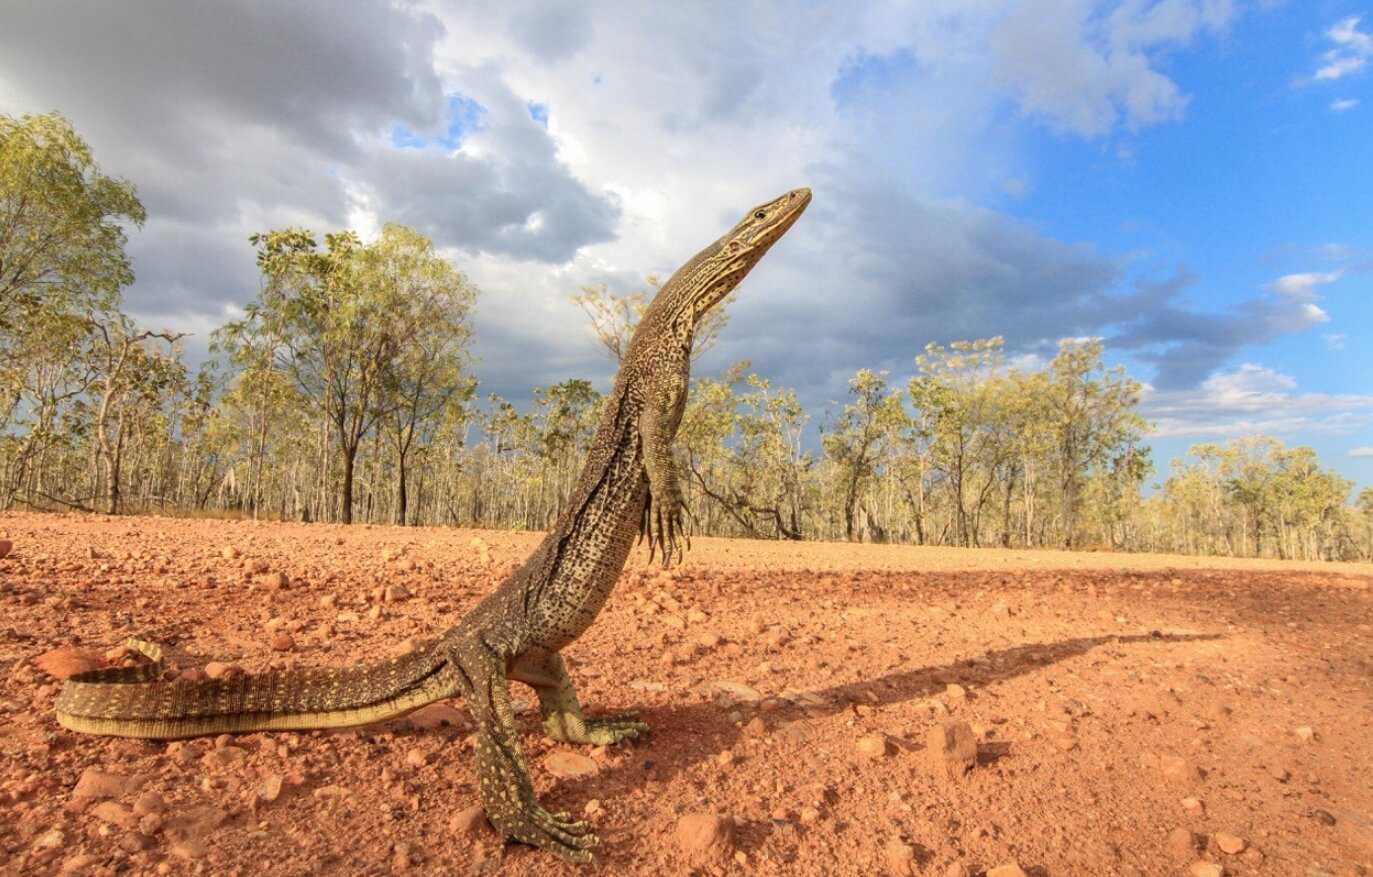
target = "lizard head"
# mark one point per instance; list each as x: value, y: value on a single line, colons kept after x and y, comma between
x: 722, y: 265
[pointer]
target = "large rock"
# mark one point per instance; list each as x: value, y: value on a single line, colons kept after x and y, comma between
x: 951, y: 749
x: 705, y: 838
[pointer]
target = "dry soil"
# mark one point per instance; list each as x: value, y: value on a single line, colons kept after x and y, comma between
x: 1133, y: 715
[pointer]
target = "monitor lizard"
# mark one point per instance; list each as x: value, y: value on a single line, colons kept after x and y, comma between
x: 629, y: 486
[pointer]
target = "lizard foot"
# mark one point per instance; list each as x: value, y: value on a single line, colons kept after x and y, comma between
x: 602, y: 731
x: 559, y: 833
x: 613, y: 729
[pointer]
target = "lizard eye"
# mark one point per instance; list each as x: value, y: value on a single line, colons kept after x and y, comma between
x: 760, y: 215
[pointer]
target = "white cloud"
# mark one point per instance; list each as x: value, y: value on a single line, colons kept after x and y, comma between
x: 1302, y: 286
x: 1342, y: 104
x: 1351, y: 52
x: 1362, y: 452
x: 1254, y: 399
x: 1334, y: 341
x: 1087, y: 70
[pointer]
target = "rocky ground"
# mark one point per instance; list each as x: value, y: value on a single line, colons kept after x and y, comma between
x: 817, y: 709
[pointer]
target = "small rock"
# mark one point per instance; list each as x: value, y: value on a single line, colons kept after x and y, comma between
x: 874, y: 746
x: 275, y: 581
x: 470, y: 822
x: 283, y: 642
x: 951, y: 749
x: 1192, y: 805
x: 222, y: 670
x: 1010, y: 869
x: 756, y: 728
x: 592, y: 807
x: 256, y: 567
x: 78, y: 864
x: 739, y: 691
x: 1182, y: 845
x: 114, y: 813
x: 1305, y: 733
x: 415, y: 758
x: 100, y: 784
x: 958, y: 869
x: 900, y: 858
x: 955, y: 692
x: 396, y: 593
x: 809, y: 815
x: 705, y: 837
x: 190, y: 850
x: 1178, y: 769
x: 149, y: 802
x: 6, y: 546
x: 1252, y: 856
x: 1230, y: 844
x: 270, y: 788
x: 331, y: 791
x: 436, y: 715
x: 51, y: 840
x: 1206, y: 869
x: 229, y: 552
x: 1324, y: 817
x: 406, y: 565
x: 1279, y: 773
x: 569, y: 764
x: 63, y: 663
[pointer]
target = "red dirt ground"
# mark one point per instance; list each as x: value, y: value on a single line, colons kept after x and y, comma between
x: 1115, y: 699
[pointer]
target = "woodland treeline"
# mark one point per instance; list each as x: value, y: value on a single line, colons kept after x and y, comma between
x: 347, y: 392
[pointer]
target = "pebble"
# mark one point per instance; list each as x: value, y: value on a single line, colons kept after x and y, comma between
x: 954, y: 691
x: 270, y: 788
x: 756, y: 728
x: 436, y: 715
x: 739, y: 691
x: 228, y: 552
x: 1010, y: 869
x: 114, y: 813
x: 189, y: 850
x: 332, y: 791
x: 1324, y: 817
x: 283, y: 642
x: 416, y: 758
x: 79, y: 863
x: 396, y: 593
x: 1206, y: 869
x: 874, y: 746
x: 705, y: 837
x: 569, y: 764
x: 1305, y: 733
x: 222, y: 670
x: 1192, y: 805
x: 469, y: 822
x: 1230, y: 844
x: 951, y: 749
x: 900, y: 858
x: 149, y: 802
x: 256, y: 567
x: 6, y: 546
x: 1182, y: 844
x: 592, y: 807
x: 101, y: 784
x: 809, y: 815
x: 1178, y: 769
x: 958, y: 869
x: 51, y: 840
x: 62, y: 663
x: 1281, y: 774
x: 275, y: 581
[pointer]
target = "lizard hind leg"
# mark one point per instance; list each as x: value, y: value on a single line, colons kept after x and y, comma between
x: 507, y: 793
x: 562, y: 712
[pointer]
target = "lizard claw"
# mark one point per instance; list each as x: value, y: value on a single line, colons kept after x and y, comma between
x: 559, y: 833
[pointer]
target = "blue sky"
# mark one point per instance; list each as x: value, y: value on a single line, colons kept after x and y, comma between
x: 1186, y: 179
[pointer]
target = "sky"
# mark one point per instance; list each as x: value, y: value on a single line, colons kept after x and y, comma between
x: 1188, y: 180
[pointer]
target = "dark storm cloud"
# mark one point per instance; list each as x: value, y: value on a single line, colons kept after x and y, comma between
x: 239, y: 116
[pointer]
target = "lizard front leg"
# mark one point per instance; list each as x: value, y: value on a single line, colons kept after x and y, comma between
x: 507, y: 793
x: 662, y: 520
x: 562, y: 713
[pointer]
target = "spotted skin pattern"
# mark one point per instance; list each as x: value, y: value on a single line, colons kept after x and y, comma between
x: 629, y: 488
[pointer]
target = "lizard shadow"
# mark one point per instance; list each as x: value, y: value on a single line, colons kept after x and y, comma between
x: 686, y: 734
